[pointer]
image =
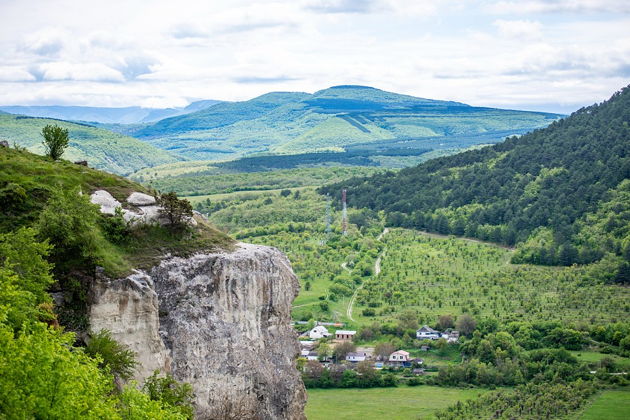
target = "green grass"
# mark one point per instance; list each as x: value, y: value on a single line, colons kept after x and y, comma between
x: 102, y: 149
x: 609, y: 405
x: 27, y: 181
x: 383, y: 403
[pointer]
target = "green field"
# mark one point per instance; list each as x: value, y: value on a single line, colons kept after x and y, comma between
x: 383, y: 403
x: 609, y: 405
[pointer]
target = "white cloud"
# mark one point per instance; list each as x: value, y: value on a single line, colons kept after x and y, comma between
x: 61, y: 70
x: 15, y: 74
x: 558, y: 6
x: 519, y: 29
x: 169, y: 52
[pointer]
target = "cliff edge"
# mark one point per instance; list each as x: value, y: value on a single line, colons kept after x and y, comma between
x: 219, y: 321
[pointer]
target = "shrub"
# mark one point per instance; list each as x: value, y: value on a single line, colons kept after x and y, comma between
x: 170, y: 393
x: 174, y: 209
x: 115, y: 357
x: 55, y: 140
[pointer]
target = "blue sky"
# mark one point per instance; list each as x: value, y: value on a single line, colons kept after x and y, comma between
x: 554, y: 55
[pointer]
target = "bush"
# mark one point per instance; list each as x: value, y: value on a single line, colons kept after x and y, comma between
x: 170, y: 393
x: 115, y: 357
x: 174, y: 209
x: 55, y: 140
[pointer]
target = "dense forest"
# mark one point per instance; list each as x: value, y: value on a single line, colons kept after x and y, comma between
x: 558, y: 192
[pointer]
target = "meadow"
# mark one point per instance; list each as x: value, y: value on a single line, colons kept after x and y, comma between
x: 608, y: 405
x: 383, y: 403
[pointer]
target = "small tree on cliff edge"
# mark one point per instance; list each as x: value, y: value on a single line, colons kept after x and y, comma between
x: 55, y: 140
x: 174, y: 209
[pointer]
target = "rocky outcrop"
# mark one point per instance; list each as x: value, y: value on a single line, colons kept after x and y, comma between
x: 144, y: 208
x: 224, y: 327
x: 129, y: 309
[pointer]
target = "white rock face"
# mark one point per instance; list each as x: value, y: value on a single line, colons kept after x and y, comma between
x: 106, y: 201
x: 129, y: 309
x: 224, y: 319
x: 140, y: 199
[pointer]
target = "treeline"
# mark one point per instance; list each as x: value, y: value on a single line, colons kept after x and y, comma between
x: 550, y: 178
x: 531, y: 401
x: 343, y: 376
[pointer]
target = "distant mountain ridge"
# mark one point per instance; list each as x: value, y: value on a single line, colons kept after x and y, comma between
x: 330, y: 120
x: 106, y: 115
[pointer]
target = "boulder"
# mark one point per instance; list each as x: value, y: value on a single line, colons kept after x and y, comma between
x: 140, y: 199
x: 106, y: 201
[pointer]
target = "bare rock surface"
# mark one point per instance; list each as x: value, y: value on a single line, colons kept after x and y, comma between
x: 224, y: 327
x: 128, y: 308
x: 107, y: 202
x: 140, y: 199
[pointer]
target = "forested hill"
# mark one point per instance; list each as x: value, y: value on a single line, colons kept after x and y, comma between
x: 535, y: 191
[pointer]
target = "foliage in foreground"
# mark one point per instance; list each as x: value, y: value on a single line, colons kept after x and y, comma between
x: 42, y: 373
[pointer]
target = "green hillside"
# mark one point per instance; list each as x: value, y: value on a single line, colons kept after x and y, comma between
x: 561, y: 193
x: 101, y: 148
x: 331, y: 120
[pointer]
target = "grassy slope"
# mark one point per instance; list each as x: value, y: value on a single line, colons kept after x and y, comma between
x: 38, y: 175
x: 383, y: 403
x: 101, y: 148
x: 609, y: 405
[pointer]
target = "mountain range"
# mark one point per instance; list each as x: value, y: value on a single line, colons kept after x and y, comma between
x: 372, y: 126
x: 105, y: 115
x: 330, y: 120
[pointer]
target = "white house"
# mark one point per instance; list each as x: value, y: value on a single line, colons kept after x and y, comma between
x: 451, y: 336
x: 357, y: 356
x: 427, y: 332
x: 345, y: 335
x: 400, y: 356
x: 318, y: 332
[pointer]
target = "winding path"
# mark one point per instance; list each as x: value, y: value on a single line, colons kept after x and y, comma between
x: 377, y: 271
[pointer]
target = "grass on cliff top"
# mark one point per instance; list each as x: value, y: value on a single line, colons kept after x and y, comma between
x: 27, y: 181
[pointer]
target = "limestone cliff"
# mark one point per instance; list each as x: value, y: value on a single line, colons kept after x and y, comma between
x: 218, y: 321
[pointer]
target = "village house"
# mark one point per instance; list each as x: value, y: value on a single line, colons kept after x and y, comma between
x: 399, y: 356
x: 345, y: 335
x: 451, y: 336
x: 357, y: 356
x: 427, y: 333
x: 318, y: 332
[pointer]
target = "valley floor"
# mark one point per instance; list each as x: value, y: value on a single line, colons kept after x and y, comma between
x: 383, y: 403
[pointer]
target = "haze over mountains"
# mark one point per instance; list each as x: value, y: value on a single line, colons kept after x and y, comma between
x: 105, y: 115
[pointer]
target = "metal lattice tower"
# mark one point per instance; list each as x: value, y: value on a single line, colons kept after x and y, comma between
x: 344, y: 214
x: 328, y: 216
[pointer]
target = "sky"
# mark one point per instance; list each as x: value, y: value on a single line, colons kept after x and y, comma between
x: 554, y: 55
